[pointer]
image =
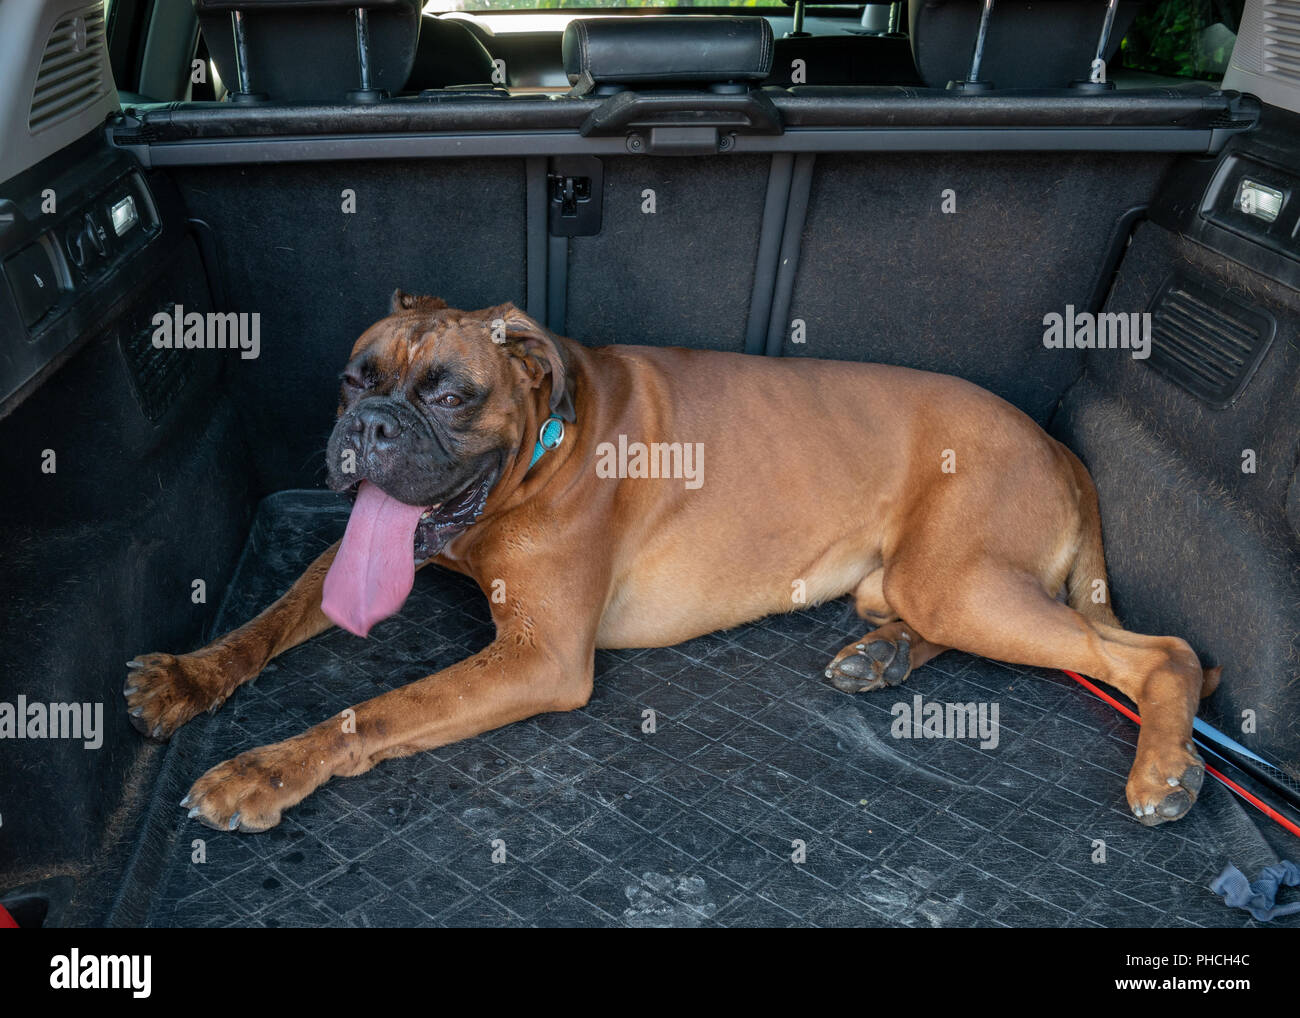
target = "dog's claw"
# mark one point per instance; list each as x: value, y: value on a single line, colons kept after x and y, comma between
x: 234, y: 822
x: 133, y: 663
x: 194, y: 812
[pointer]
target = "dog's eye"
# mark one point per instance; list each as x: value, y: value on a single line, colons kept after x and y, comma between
x: 354, y: 381
x: 449, y: 399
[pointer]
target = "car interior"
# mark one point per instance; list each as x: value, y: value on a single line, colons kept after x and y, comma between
x: 920, y: 184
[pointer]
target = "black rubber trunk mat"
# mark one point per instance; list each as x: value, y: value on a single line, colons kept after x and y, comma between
x: 585, y: 819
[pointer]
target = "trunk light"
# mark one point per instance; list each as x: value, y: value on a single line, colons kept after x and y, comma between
x: 1258, y: 200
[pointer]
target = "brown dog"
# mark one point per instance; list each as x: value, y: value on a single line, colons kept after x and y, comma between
x: 952, y: 518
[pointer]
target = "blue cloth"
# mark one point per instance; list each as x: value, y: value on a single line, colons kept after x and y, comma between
x: 1258, y: 896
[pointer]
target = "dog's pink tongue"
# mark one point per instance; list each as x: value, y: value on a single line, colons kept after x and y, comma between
x: 374, y: 569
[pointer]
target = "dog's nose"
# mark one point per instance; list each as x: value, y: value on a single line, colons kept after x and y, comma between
x: 377, y: 428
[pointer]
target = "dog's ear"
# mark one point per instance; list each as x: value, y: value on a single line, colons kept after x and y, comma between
x: 535, y: 344
x: 409, y: 302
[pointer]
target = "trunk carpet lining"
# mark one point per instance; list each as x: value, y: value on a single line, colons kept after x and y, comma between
x: 693, y: 825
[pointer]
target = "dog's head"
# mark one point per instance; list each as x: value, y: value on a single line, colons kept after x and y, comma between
x: 434, y: 406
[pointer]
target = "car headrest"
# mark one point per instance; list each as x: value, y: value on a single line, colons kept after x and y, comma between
x: 302, y: 50
x: 694, y: 50
x: 1030, y: 43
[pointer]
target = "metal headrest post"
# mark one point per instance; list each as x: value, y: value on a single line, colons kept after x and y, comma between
x: 245, y: 93
x: 973, y: 82
x: 364, y: 93
x: 796, y: 31
x: 1097, y: 80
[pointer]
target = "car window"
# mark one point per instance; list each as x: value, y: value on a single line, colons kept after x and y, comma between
x: 1183, y: 38
x: 488, y: 6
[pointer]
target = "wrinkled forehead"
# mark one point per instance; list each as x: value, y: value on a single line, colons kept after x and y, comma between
x: 407, y: 345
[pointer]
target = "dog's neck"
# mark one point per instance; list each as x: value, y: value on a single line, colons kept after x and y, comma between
x: 546, y: 439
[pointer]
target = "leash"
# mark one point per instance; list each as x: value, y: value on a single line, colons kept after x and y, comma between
x: 1255, y: 801
x: 549, y: 437
x: 1256, y: 766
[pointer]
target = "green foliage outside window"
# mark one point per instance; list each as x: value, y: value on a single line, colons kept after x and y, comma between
x: 1183, y: 38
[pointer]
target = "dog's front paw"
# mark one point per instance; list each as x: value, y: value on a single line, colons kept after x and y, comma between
x: 1163, y: 785
x: 163, y: 691
x: 249, y: 792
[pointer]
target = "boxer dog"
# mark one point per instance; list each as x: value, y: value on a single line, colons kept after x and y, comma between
x: 480, y: 441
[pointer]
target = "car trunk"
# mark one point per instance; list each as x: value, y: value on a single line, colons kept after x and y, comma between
x: 157, y: 498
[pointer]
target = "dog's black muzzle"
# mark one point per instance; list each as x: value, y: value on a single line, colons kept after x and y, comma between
x: 387, y: 441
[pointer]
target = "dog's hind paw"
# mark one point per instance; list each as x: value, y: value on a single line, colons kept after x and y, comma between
x: 1165, y: 789
x: 873, y: 664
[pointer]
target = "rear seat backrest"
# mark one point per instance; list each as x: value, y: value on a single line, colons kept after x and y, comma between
x: 306, y: 50
x: 1030, y: 43
x: 650, y: 280
x: 844, y: 60
x: 449, y: 54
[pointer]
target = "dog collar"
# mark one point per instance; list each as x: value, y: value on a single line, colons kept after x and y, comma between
x: 549, y: 437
